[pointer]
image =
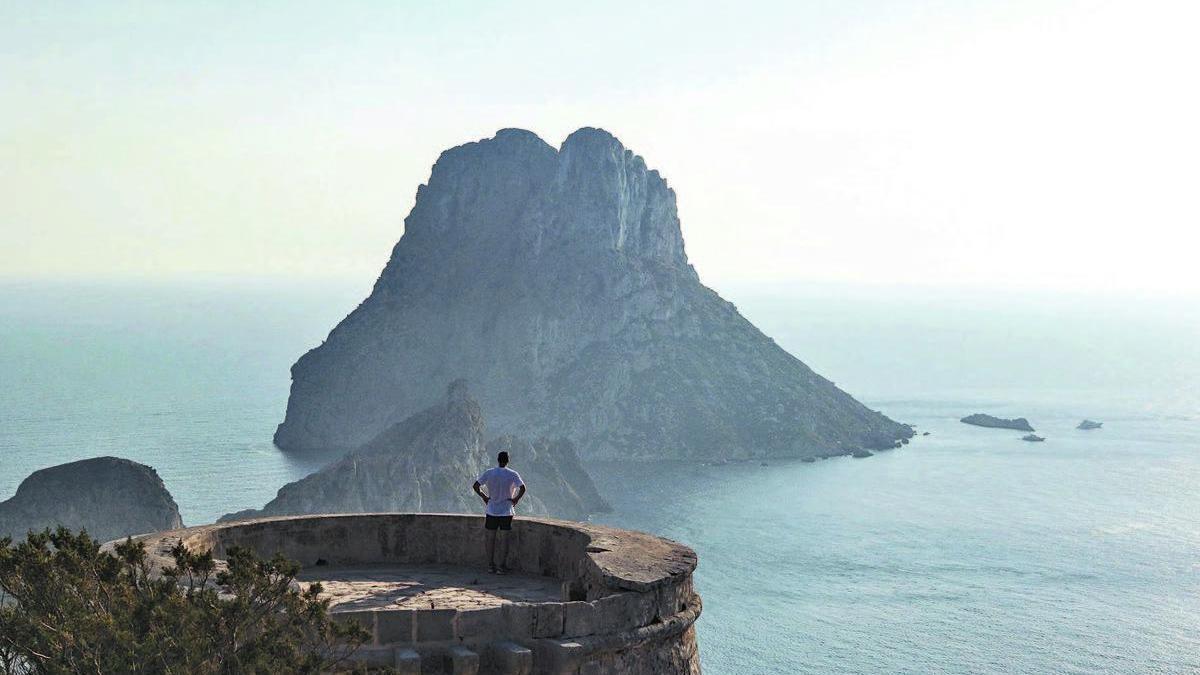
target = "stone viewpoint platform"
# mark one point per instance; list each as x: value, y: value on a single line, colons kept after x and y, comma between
x: 584, y: 599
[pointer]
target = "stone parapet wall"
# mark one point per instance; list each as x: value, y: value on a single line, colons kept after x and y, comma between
x: 627, y: 603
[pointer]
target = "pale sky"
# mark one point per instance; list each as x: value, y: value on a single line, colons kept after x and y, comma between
x: 1045, y: 144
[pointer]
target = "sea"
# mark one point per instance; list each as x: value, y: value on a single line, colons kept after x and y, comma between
x: 965, y: 551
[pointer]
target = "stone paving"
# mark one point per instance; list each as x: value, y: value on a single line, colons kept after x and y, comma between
x: 426, y: 587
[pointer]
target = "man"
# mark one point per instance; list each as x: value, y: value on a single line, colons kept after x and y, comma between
x: 504, y: 489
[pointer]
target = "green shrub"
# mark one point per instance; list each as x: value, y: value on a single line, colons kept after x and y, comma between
x: 66, y: 606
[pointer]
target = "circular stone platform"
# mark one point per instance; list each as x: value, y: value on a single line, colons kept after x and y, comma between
x: 425, y: 587
x: 584, y: 598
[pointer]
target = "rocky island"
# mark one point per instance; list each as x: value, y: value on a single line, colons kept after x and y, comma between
x: 427, y: 462
x: 982, y: 420
x: 109, y: 497
x: 556, y: 281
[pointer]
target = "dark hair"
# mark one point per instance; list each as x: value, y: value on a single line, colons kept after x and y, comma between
x: 502, y: 458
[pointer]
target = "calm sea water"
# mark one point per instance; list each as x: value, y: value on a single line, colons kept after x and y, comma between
x: 966, y: 551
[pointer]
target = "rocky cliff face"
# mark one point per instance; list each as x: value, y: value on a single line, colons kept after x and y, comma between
x: 107, y: 496
x: 557, y: 282
x: 427, y: 462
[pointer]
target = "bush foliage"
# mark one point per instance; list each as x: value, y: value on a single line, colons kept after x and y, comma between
x: 66, y: 606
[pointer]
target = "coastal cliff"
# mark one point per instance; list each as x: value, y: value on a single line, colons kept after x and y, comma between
x: 427, y: 462
x: 557, y: 282
x: 109, y: 497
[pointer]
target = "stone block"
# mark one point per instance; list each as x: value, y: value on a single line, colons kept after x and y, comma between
x: 510, y: 658
x: 407, y: 661
x: 463, y: 661
x: 624, y: 611
x: 374, y: 656
x: 525, y: 549
x: 645, y: 608
x: 579, y: 618
x: 487, y: 623
x: 548, y: 619
x: 364, y: 618
x: 518, y: 618
x: 558, y: 656
x: 672, y: 599
x: 395, y: 626
x: 435, y: 625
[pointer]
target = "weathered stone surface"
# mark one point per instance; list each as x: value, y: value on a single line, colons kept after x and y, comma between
x: 482, y: 621
x: 407, y: 661
x: 396, y: 626
x: 548, y: 619
x: 107, y: 496
x: 365, y: 619
x: 558, y: 656
x: 428, y: 462
x: 510, y: 658
x: 434, y: 625
x: 579, y: 618
x: 556, y: 281
x: 375, y: 656
x: 519, y: 620
x: 463, y: 661
x: 626, y: 609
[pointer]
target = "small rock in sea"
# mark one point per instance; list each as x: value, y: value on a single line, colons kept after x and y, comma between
x: 808, y: 460
x: 991, y: 421
x: 859, y: 454
x: 904, y: 441
x: 925, y: 434
x: 1033, y: 438
x: 1089, y: 424
x: 110, y: 497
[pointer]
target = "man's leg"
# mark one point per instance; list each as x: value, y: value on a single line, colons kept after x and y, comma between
x: 504, y: 535
x: 489, y: 539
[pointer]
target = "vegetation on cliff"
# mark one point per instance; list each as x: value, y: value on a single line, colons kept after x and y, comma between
x: 69, y: 606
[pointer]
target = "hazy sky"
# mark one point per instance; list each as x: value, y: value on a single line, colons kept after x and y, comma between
x: 1044, y: 144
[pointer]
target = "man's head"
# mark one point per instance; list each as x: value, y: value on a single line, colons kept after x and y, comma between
x: 502, y: 459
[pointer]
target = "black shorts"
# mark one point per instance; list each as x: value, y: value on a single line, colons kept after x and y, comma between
x: 497, y: 522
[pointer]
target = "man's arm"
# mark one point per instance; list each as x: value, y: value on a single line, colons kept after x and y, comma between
x: 520, y: 493
x: 482, y: 496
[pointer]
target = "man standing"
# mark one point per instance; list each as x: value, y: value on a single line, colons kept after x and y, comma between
x: 504, y: 489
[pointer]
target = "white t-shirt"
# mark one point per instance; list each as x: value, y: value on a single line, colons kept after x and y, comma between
x: 500, y: 483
